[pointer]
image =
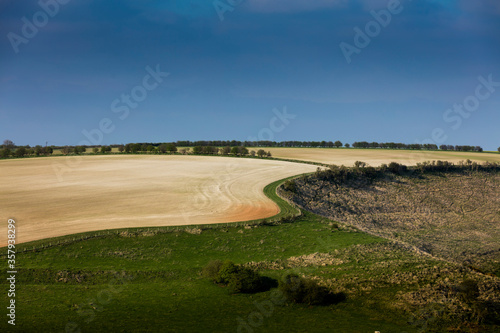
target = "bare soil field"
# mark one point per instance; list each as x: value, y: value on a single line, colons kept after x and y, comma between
x: 376, y: 157
x: 121, y: 191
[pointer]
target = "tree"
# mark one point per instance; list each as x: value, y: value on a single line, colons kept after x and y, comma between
x: 261, y: 153
x: 162, y: 148
x: 347, y: 145
x: 197, y: 150
x: 4, y: 153
x: 498, y: 149
x: 80, y: 149
x: 269, y: 154
x: 150, y: 148
x: 252, y: 153
x: 226, y: 150
x: 121, y: 148
x: 95, y: 150
x: 20, y: 152
x: 338, y: 144
x: 105, y: 149
x: 171, y: 148
x: 136, y: 147
x: 8, y: 144
x: 38, y: 150
x: 47, y: 150
x: 243, y: 151
x: 235, y: 151
x: 359, y: 164
x: 66, y: 150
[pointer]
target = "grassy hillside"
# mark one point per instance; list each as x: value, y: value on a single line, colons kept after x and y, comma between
x: 453, y: 214
x: 148, y: 280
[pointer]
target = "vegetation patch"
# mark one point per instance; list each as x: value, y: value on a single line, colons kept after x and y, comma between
x: 442, y: 209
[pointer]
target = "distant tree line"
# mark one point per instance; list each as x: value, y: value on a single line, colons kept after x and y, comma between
x: 235, y: 143
x: 414, y: 146
x: 218, y: 147
x: 461, y: 148
x: 9, y: 149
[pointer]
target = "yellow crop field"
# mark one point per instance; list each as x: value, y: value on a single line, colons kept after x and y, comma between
x: 376, y: 157
x: 121, y: 191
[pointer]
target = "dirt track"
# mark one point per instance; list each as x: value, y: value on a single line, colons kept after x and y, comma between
x: 104, y: 192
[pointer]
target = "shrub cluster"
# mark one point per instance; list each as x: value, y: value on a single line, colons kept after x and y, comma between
x: 300, y: 290
x: 238, y: 279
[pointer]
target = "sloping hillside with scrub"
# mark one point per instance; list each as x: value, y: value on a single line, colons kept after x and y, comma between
x: 445, y: 210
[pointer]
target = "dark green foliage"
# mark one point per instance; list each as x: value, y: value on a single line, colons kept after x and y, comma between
x: 244, y: 280
x: 211, y: 271
x: 227, y: 269
x: 468, y: 291
x: 300, y: 290
x: 359, y: 164
x: 171, y: 147
x: 4, y: 153
x: 197, y: 150
x: 290, y: 186
x: 20, y: 152
x: 238, y: 279
x: 105, y: 149
x: 395, y: 167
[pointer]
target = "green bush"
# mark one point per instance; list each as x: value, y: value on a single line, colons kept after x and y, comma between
x: 290, y: 186
x: 245, y: 280
x: 238, y: 279
x: 300, y: 290
x: 211, y: 271
x: 395, y: 167
x: 227, y: 269
x: 468, y: 291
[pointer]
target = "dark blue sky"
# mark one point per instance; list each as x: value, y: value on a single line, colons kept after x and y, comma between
x: 227, y: 76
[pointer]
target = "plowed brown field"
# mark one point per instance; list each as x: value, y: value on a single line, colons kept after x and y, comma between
x: 104, y: 192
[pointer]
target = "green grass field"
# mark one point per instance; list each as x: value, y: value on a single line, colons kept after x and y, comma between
x: 148, y: 280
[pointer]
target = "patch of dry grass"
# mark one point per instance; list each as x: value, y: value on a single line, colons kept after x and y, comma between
x: 376, y: 157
